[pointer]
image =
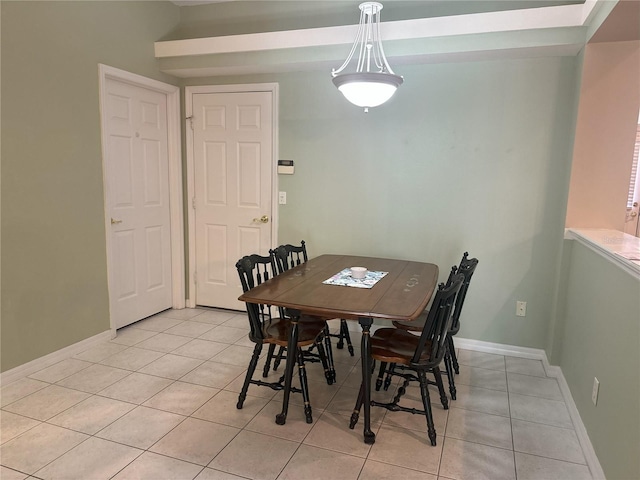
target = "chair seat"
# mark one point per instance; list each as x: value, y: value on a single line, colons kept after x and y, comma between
x: 394, y: 345
x: 277, y: 332
x: 414, y: 326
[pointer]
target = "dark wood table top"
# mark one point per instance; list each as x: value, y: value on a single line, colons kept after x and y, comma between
x: 402, y: 294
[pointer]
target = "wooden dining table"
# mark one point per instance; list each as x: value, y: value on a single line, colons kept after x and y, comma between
x: 402, y: 294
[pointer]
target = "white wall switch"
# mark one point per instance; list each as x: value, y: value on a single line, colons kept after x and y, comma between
x: 282, y: 198
x: 594, y: 392
x: 521, y: 309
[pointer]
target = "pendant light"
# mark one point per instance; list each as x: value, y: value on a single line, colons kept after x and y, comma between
x: 373, y: 82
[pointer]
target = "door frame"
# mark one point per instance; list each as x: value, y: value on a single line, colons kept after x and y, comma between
x: 191, y: 220
x: 176, y: 234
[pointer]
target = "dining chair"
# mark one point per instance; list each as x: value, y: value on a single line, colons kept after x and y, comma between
x: 286, y: 257
x: 290, y: 256
x: 269, y: 326
x: 415, y: 355
x: 467, y: 267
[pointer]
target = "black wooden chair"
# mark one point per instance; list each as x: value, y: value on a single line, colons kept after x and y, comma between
x: 268, y: 327
x: 414, y: 356
x: 286, y: 257
x: 289, y: 256
x: 467, y: 267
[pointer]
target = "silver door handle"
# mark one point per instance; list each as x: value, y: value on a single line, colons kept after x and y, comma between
x: 262, y: 219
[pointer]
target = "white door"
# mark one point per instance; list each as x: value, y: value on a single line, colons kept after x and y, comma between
x: 137, y: 199
x: 233, y: 164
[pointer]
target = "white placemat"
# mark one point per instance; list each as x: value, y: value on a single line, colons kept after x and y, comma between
x: 345, y: 279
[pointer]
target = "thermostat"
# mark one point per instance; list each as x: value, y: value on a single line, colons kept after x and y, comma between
x: 285, y: 167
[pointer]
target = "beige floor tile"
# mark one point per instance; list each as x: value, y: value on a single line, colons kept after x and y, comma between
x: 540, y: 410
x: 472, y: 461
x: 156, y: 323
x: 100, y: 352
x: 60, y: 370
x: 212, y: 374
x: 525, y: 366
x: 530, y: 467
x: 130, y: 336
x: 94, y: 378
x: 171, y: 366
x: 331, y: 431
x: 189, y: 329
x: 132, y: 358
x: 222, y: 409
x: 183, y: 313
x: 481, y: 360
x: 534, y: 386
x: 482, y: 400
x: 181, y: 398
x: 150, y: 466
x: 296, y: 428
x: 9, y: 474
x: 256, y: 456
x: 13, y: 391
x: 46, y: 403
x: 213, y: 317
x: 320, y: 394
x: 382, y: 471
x: 202, y: 349
x: 255, y: 390
x: 211, y: 474
x: 406, y: 448
x: 310, y: 463
x: 195, y: 441
x: 164, y: 342
x: 416, y: 421
x: 136, y: 388
x: 479, y: 427
x: 235, y: 355
x: 345, y: 399
x: 141, y: 427
x: 546, y: 441
x: 238, y: 321
x: 12, y: 425
x: 481, y: 377
x: 224, y: 334
x: 95, y: 459
x: 37, y: 447
x: 92, y: 415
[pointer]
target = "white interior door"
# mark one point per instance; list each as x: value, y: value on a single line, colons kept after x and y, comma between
x: 137, y: 199
x: 233, y: 165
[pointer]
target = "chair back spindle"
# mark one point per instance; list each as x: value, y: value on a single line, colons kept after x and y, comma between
x: 437, y: 324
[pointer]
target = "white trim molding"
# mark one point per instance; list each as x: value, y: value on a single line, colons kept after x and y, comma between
x: 617, y: 247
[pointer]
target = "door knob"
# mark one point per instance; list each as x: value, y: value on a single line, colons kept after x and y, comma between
x: 114, y: 221
x: 633, y: 214
x: 262, y: 219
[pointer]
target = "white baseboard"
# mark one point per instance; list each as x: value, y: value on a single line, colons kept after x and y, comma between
x: 33, y: 366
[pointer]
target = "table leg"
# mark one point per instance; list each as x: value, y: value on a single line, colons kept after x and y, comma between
x: 365, y: 352
x: 294, y: 315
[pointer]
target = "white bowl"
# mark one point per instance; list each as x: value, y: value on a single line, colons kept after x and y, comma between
x: 358, y: 272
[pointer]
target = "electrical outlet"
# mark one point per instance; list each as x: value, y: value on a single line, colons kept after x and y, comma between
x: 282, y: 198
x: 521, y: 309
x: 594, y: 392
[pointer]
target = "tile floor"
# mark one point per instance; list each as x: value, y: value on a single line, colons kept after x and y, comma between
x: 158, y: 402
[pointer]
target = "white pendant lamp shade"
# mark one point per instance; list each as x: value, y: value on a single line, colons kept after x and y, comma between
x: 373, y: 81
x: 367, y: 89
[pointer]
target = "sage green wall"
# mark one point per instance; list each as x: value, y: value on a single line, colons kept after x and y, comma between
x: 468, y: 156
x: 54, y: 278
x: 601, y: 335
